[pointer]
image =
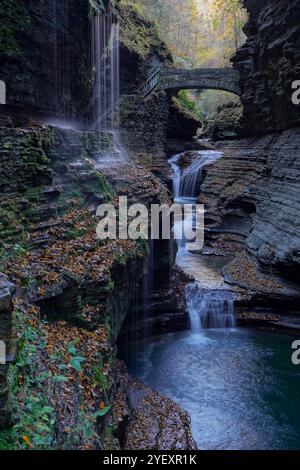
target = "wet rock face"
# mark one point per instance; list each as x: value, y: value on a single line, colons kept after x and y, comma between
x: 79, y: 286
x: 253, y: 192
x: 143, y: 121
x: 156, y: 422
x: 45, y: 56
x: 6, y: 290
x: 181, y: 124
x: 225, y: 124
x: 6, y: 308
x: 268, y: 64
x: 141, y: 49
x: 44, y: 172
x: 143, y: 127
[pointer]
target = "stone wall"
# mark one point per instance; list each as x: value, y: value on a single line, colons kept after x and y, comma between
x: 144, y: 130
x: 268, y: 64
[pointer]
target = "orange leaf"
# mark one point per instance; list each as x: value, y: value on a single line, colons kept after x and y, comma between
x: 27, y: 440
x: 101, y: 405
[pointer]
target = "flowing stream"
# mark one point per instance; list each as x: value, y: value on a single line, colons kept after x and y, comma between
x: 238, y: 384
x: 213, y: 307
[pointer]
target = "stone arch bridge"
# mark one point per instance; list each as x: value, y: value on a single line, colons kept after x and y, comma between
x: 201, y: 79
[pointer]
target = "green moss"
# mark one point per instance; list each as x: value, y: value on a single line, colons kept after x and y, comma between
x: 101, y: 379
x: 27, y: 398
x: 13, y: 21
x: 11, y: 226
x: 138, y: 34
x: 103, y: 186
x: 141, y: 249
x: 110, y: 286
x: 33, y: 194
x: 97, y: 142
x: 75, y: 233
x: 72, y: 197
x: 188, y: 104
x: 7, y: 440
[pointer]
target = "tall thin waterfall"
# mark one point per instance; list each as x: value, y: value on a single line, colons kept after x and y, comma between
x: 176, y: 174
x: 55, y: 54
x: 148, y: 288
x: 61, y: 58
x: 105, y: 68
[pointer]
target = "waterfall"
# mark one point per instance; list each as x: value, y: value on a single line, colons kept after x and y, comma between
x: 148, y: 289
x: 62, y: 100
x: 106, y: 79
x: 176, y: 175
x: 209, y: 309
x: 105, y: 67
x: 55, y: 55
x: 185, y: 182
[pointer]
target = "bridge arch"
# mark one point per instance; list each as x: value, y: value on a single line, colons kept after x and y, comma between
x: 200, y: 79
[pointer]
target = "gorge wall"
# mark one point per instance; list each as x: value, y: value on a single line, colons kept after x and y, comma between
x: 65, y: 295
x: 45, y: 56
x: 252, y: 193
x: 268, y: 64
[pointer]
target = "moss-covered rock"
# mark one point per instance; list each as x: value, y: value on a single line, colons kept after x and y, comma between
x: 142, y: 49
x: 45, y: 172
x: 225, y: 125
x: 182, y: 123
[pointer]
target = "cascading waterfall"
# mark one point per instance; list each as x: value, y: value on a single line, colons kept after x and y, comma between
x: 185, y: 182
x: 207, y: 308
x: 176, y: 175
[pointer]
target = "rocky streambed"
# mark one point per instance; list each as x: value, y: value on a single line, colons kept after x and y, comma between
x: 67, y: 299
x: 221, y: 368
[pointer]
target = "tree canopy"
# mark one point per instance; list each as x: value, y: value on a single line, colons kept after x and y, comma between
x: 200, y: 33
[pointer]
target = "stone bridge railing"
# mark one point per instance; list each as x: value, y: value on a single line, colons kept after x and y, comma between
x: 151, y: 83
x: 200, y: 79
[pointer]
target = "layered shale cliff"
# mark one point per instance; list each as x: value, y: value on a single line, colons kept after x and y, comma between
x: 45, y: 56
x: 268, y: 64
x: 64, y: 294
x: 252, y: 193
